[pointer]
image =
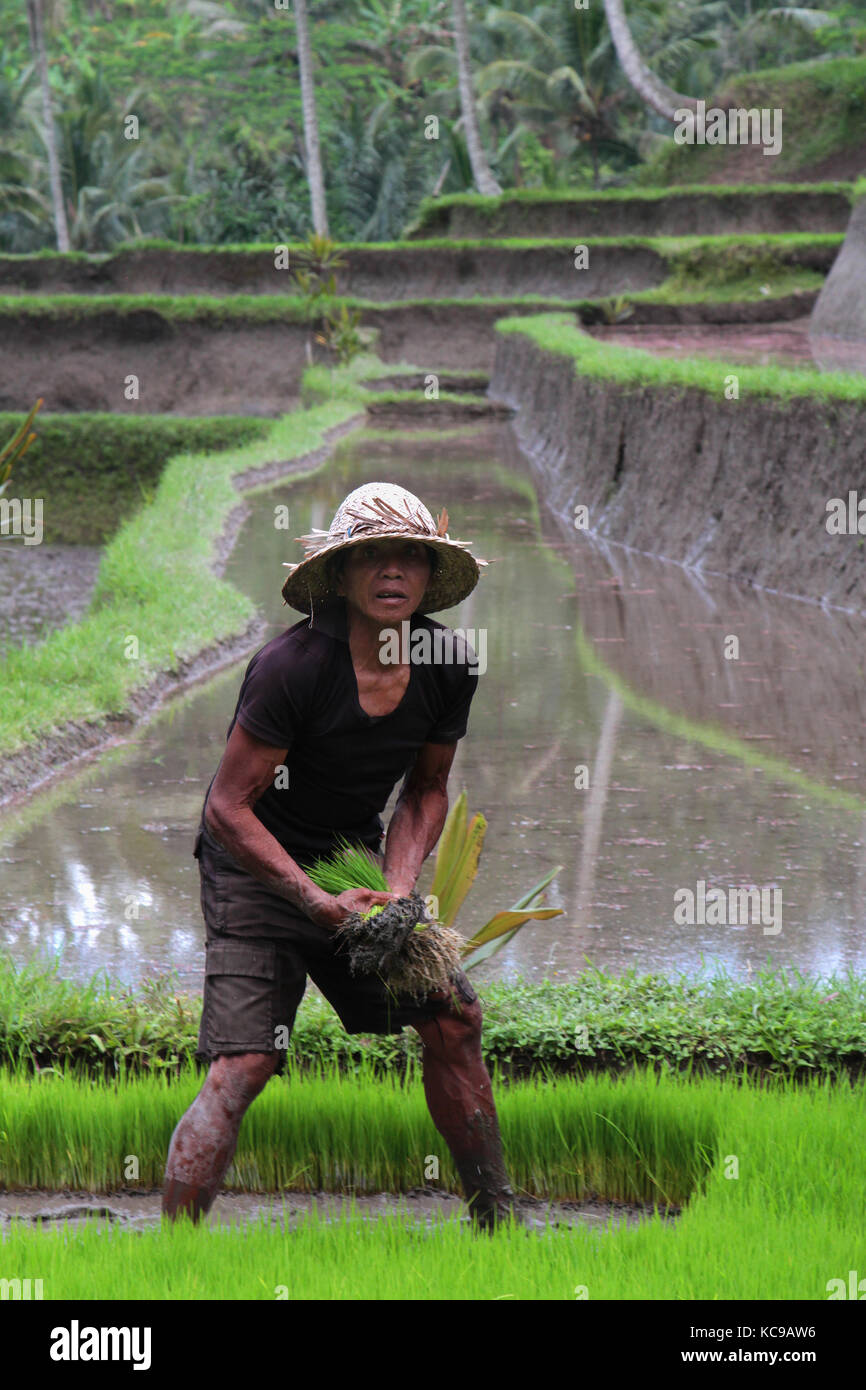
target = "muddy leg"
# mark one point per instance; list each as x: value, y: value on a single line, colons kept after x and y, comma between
x: 460, y: 1100
x: 203, y: 1144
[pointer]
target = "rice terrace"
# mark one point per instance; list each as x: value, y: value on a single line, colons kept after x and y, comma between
x: 432, y: 716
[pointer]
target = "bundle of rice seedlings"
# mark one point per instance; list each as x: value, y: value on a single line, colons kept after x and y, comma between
x: 413, y: 954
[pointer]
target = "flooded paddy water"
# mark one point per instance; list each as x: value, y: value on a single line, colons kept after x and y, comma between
x: 610, y: 735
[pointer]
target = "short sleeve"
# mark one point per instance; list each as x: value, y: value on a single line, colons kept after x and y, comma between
x: 454, y: 720
x: 272, y: 699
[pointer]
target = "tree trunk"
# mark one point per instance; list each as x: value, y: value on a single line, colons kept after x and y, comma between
x: 484, y: 180
x: 315, y: 177
x: 37, y: 43
x: 651, y: 89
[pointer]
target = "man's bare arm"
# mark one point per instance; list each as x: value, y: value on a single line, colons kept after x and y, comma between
x: 418, y: 816
x: 247, y: 769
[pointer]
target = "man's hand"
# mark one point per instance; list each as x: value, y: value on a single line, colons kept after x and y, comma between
x: 335, y: 910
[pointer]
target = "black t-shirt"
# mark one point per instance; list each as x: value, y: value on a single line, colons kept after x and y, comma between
x: 300, y: 693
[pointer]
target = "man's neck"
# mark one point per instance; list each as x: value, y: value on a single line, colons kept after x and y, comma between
x: 366, y: 642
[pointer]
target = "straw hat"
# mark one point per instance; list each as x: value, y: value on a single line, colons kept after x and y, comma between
x: 378, y: 511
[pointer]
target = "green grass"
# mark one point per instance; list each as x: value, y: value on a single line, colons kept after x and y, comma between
x: 823, y: 109
x: 776, y: 1022
x: 627, y: 366
x: 771, y: 1178
x: 155, y: 584
x: 94, y: 469
x: 181, y: 308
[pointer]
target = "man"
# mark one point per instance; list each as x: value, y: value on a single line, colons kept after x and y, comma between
x: 323, y: 730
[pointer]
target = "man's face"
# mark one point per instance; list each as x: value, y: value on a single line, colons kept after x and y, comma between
x: 385, y: 579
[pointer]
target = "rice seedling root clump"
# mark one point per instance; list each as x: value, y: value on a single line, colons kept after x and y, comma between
x: 414, y: 955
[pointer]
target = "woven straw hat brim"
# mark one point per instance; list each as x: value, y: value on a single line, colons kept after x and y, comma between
x: 456, y: 575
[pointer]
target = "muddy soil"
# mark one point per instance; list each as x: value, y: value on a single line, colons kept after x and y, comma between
x: 460, y: 336
x: 466, y: 383
x: 377, y: 273
x: 142, y: 1209
x: 183, y: 368
x: 783, y: 344
x: 43, y: 587
x: 198, y: 368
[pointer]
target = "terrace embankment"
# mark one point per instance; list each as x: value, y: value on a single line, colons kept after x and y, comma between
x: 429, y: 270
x: 693, y: 211
x: 731, y: 486
x: 183, y: 367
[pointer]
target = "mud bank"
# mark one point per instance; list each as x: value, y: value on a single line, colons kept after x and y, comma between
x: 460, y: 336
x: 194, y: 368
x: 695, y: 212
x: 286, y: 1210
x: 734, y: 487
x: 443, y: 272
x: 183, y: 367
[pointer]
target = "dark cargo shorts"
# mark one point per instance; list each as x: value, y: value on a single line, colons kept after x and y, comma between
x: 260, y: 950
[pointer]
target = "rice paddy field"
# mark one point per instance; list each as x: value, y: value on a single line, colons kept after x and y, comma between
x: 764, y: 1185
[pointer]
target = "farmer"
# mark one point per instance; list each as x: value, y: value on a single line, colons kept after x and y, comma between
x: 322, y: 732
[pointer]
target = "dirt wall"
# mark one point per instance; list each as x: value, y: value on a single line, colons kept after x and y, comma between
x: 410, y: 273
x: 737, y: 487
x: 678, y: 213
x: 183, y: 368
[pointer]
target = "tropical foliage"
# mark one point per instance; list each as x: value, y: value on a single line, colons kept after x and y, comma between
x: 217, y: 152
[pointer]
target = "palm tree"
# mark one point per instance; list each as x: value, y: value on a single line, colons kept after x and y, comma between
x: 311, y: 124
x: 37, y: 43
x: 565, y: 85
x: 651, y: 89
x: 484, y: 180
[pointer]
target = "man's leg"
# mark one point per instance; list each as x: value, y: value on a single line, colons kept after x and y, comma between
x: 203, y: 1144
x: 460, y: 1099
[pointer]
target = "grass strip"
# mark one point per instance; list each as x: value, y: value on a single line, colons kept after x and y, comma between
x: 771, y: 1177
x: 628, y: 366
x: 776, y: 1023
x: 183, y: 308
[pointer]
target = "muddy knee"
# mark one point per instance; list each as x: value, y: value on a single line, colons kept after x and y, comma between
x: 238, y: 1079
x: 453, y: 1032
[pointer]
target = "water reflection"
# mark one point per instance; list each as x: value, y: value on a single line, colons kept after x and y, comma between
x: 697, y: 767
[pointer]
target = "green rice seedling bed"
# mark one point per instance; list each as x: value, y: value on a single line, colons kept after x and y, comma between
x: 770, y: 1179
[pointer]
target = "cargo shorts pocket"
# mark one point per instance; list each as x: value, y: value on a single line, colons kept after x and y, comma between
x: 239, y: 997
